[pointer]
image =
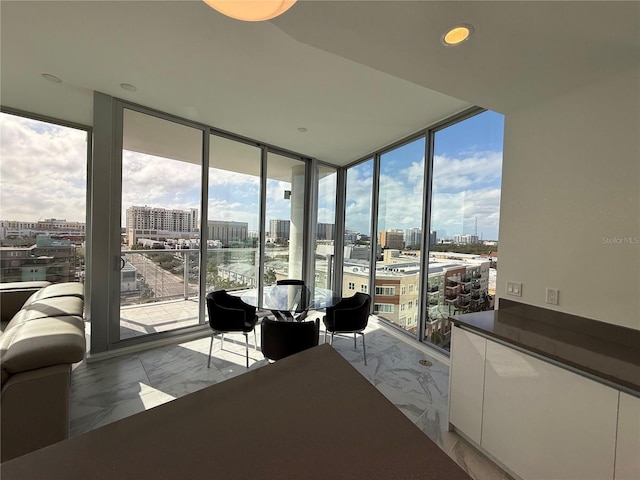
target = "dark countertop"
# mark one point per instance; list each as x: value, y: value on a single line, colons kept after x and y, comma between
x: 310, y: 416
x: 603, y: 350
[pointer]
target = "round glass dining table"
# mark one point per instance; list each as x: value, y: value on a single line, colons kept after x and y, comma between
x: 290, y: 302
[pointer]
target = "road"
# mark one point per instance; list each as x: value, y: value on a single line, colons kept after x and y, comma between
x: 165, y: 285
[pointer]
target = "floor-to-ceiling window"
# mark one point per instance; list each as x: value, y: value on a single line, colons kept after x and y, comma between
x: 42, y: 200
x: 325, y: 227
x: 400, y: 213
x: 465, y: 212
x: 233, y: 253
x: 284, y: 218
x: 160, y: 221
x: 357, y: 232
x: 462, y: 175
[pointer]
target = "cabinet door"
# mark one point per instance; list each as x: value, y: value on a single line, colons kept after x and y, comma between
x: 466, y: 382
x: 544, y: 422
x: 628, y: 444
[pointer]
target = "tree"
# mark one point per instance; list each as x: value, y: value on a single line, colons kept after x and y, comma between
x: 270, y: 276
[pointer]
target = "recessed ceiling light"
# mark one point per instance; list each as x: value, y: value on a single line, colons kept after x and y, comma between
x: 128, y: 87
x: 51, y: 78
x: 458, y: 34
x: 302, y: 129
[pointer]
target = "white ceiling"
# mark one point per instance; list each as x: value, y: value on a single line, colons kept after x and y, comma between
x: 358, y: 75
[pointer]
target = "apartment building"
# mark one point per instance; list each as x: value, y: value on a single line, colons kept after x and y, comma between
x: 228, y: 232
x: 48, y: 259
x: 50, y: 226
x: 156, y: 223
x: 393, y: 239
x: 279, y: 230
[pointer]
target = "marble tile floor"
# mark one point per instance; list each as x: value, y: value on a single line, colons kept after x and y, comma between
x: 108, y: 390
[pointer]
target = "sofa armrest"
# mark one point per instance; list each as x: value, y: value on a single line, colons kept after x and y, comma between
x: 35, y: 410
x: 42, y: 343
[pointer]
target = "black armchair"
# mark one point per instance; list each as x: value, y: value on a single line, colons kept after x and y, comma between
x: 349, y: 315
x: 229, y: 314
x: 281, y: 339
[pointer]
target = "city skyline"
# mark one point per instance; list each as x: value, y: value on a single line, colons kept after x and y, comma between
x: 466, y: 185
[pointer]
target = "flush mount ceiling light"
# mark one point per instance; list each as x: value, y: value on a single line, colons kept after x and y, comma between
x: 456, y: 35
x: 302, y: 129
x: 251, y: 10
x: 51, y: 78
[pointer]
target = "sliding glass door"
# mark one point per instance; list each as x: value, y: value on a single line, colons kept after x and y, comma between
x: 160, y: 221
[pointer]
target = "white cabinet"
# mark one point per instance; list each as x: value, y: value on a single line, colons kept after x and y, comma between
x: 538, y: 419
x: 628, y: 444
x: 466, y: 382
x: 545, y: 422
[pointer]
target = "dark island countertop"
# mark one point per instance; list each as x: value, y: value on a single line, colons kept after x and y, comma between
x: 605, y: 351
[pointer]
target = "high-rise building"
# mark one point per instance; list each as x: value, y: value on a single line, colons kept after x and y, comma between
x: 151, y: 222
x: 413, y: 237
x: 227, y: 232
x: 433, y: 237
x: 162, y: 219
x: 279, y: 230
x: 391, y: 239
x: 325, y: 231
x: 465, y: 239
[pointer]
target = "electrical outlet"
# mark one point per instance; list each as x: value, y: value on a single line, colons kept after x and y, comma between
x: 514, y: 288
x: 552, y: 296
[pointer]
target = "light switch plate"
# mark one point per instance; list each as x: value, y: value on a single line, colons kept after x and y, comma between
x: 514, y: 288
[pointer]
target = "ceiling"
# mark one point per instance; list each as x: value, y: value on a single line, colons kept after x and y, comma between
x: 357, y: 75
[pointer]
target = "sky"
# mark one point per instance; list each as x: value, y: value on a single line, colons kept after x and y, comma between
x: 43, y: 171
x: 466, y: 181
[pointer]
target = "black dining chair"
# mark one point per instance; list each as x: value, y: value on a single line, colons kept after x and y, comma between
x: 229, y: 314
x: 281, y: 339
x: 290, y: 281
x: 349, y: 315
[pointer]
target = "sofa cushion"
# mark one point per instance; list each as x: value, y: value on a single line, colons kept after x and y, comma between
x: 13, y: 295
x: 67, y: 289
x: 47, y: 307
x: 42, y: 343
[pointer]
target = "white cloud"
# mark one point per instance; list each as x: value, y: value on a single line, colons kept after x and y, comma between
x: 43, y: 170
x: 475, y: 171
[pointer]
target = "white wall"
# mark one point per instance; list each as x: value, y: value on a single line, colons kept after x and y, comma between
x: 571, y: 184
